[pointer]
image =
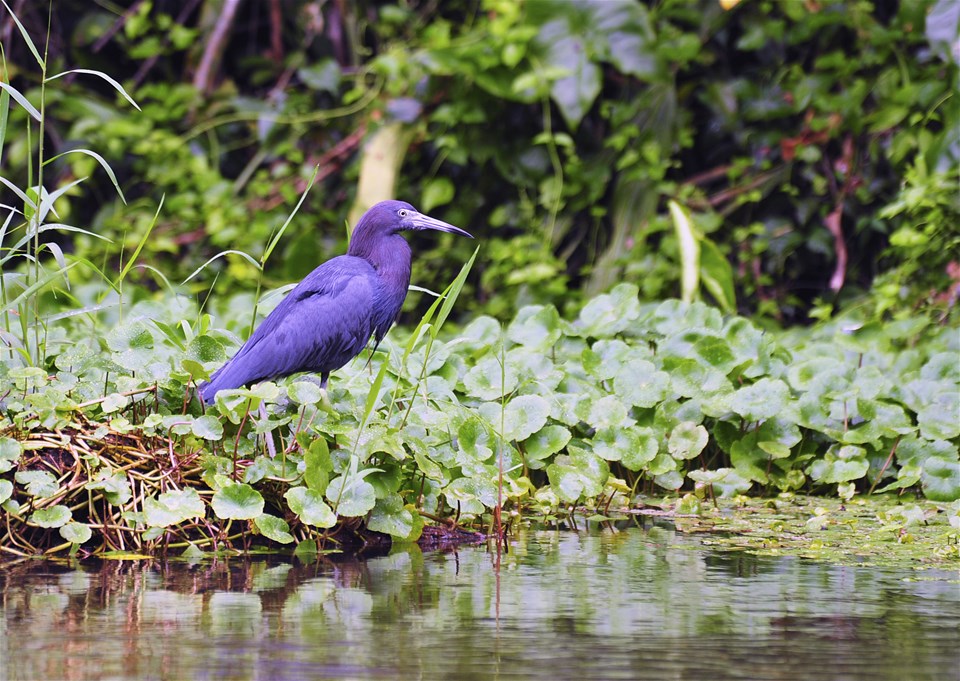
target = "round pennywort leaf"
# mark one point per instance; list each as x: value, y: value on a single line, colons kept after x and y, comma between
x: 237, y: 501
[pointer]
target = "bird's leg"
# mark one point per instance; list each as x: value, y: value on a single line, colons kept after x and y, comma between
x: 268, y: 436
x: 324, y: 398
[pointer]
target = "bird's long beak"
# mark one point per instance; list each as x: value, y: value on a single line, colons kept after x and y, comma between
x: 421, y: 221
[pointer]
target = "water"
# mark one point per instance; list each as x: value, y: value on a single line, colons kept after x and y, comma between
x: 633, y: 604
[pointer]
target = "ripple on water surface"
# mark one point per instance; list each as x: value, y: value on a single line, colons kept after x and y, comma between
x: 635, y: 604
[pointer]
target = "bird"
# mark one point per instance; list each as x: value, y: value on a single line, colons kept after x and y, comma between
x: 331, y: 315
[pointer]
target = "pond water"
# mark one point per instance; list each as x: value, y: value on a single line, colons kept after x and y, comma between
x: 637, y: 603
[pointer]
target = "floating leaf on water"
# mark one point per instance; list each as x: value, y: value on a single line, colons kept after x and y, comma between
x: 306, y: 550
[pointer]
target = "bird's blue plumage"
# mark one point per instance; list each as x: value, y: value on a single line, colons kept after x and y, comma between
x: 329, y: 317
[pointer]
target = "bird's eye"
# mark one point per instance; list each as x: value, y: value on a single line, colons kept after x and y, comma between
x: 402, y: 212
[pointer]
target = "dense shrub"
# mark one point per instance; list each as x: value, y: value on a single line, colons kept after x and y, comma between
x: 810, y: 140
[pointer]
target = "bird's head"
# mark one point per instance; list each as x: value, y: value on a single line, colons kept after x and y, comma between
x: 390, y: 217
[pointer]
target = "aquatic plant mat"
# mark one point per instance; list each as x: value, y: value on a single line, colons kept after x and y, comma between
x: 882, y: 530
x: 94, y: 490
x: 113, y: 491
x: 105, y: 449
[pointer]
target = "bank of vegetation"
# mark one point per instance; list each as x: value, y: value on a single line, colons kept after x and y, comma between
x: 718, y: 257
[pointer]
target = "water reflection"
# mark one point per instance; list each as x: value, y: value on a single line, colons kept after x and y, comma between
x: 634, y: 604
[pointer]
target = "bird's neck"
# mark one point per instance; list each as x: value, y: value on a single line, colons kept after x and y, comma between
x: 389, y: 255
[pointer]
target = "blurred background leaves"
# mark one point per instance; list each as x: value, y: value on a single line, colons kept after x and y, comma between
x: 813, y: 144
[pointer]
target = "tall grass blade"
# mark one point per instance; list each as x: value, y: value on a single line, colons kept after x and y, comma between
x: 49, y: 198
x: 219, y: 255
x: 170, y: 332
x: 91, y: 266
x: 12, y: 342
x: 116, y: 86
x: 63, y: 227
x: 372, y: 397
x: 57, y: 253
x: 444, y: 303
x: 3, y: 277
x: 273, y: 244
x: 161, y: 275
x: 103, y: 164
x: 21, y: 100
x: 76, y: 312
x: 37, y: 285
x: 452, y: 292
x: 283, y: 228
x: 421, y: 289
x: 6, y: 224
x: 26, y: 36
x: 689, y: 251
x: 4, y: 110
x: 136, y: 252
x: 717, y: 276
x: 50, y: 227
x: 22, y: 195
x: 423, y: 326
x: 277, y: 293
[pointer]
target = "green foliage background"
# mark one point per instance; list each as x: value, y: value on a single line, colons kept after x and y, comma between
x: 554, y: 129
x: 787, y: 161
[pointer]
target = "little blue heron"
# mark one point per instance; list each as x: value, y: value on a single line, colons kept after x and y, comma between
x: 330, y: 316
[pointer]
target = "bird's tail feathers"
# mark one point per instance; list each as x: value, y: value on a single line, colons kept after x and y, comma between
x: 220, y: 380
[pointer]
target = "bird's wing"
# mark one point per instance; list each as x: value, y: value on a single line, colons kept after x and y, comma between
x: 319, y: 326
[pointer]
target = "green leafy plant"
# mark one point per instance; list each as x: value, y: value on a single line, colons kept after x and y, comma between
x: 556, y: 402
x: 547, y: 413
